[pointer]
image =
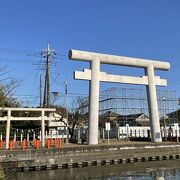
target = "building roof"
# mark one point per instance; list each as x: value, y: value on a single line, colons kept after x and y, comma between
x: 132, y: 116
x: 109, y: 114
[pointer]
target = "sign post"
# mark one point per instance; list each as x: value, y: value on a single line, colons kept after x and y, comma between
x: 108, y: 127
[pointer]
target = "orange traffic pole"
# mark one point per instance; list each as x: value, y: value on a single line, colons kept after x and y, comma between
x: 10, y: 145
x: 1, y: 143
x: 37, y: 144
x: 14, y: 143
x: 59, y: 142
x: 48, y: 144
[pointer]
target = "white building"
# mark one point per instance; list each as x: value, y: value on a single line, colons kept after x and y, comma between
x: 57, y: 126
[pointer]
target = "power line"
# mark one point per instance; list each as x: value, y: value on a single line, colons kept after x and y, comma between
x: 17, y: 60
x: 16, y: 50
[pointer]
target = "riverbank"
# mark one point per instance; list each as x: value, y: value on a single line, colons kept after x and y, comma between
x: 141, y: 170
x: 72, y: 155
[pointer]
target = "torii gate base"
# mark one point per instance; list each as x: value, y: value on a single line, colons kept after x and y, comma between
x: 95, y: 76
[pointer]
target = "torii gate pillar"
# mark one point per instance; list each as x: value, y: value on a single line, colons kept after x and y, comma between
x: 153, y: 106
x: 95, y: 76
x: 94, y: 103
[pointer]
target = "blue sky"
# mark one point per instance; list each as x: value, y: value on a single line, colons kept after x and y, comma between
x: 137, y: 28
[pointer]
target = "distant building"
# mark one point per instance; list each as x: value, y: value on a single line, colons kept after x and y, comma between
x: 108, y: 116
x: 173, y: 117
x: 121, y: 120
x: 134, y: 120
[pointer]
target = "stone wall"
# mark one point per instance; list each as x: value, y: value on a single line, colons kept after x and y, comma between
x: 87, y: 155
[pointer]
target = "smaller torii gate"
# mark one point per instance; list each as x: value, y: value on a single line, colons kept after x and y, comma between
x: 10, y: 118
x: 95, y: 76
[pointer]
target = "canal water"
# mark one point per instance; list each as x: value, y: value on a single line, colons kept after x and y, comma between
x: 155, y: 170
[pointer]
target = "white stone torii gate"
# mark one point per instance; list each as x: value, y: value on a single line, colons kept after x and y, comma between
x: 95, y: 76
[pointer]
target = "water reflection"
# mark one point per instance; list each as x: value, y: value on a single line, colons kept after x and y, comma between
x: 158, y: 170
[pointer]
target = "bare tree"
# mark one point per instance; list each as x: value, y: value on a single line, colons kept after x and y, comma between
x: 7, y: 87
x: 79, y: 113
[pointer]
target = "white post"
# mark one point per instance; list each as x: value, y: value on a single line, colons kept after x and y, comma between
x: 42, y: 128
x: 8, y: 128
x: 40, y: 136
x: 153, y: 106
x: 87, y: 135
x: 46, y: 134
x: 103, y: 133
x: 67, y: 135
x: 118, y: 131
x: 99, y: 134
x: 14, y: 136
x: 1, y: 137
x: 34, y: 136
x: 78, y: 136
x: 177, y: 139
x: 108, y: 137
x: 28, y: 137
x: 21, y: 136
x: 94, y: 102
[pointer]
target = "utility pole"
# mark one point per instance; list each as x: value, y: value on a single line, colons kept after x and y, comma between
x: 47, y: 53
x: 66, y: 106
x: 66, y: 100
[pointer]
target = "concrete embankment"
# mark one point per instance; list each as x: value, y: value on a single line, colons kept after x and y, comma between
x: 84, y: 155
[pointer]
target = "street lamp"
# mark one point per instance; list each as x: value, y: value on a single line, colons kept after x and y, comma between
x: 165, y: 135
